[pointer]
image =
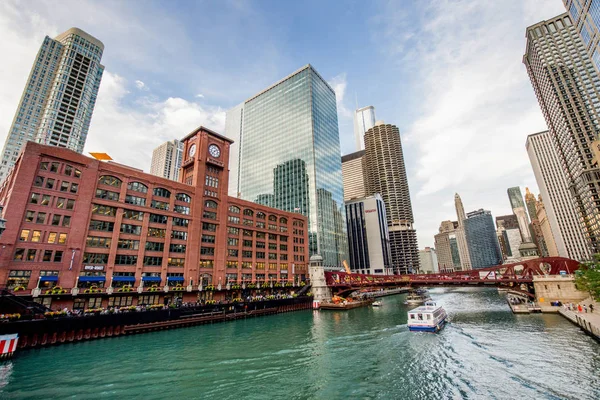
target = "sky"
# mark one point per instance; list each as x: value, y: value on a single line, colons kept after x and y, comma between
x: 448, y: 73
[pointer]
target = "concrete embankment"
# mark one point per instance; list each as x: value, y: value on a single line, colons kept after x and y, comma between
x: 589, y: 322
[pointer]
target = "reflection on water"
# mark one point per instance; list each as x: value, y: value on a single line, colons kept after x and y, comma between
x: 367, y: 353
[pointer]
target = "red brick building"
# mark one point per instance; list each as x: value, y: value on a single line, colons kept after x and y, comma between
x: 82, y: 233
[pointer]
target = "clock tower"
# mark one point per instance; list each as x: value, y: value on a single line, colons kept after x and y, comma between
x: 205, y: 166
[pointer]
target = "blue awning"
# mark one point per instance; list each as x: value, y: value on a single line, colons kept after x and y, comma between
x: 48, y: 278
x: 175, y: 278
x: 92, y: 278
x: 151, y: 278
x: 123, y: 278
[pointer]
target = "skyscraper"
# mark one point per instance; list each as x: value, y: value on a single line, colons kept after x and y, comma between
x: 291, y: 128
x: 428, y: 261
x: 353, y: 175
x: 364, y: 119
x: 446, y: 246
x: 59, y: 97
x: 481, y: 237
x: 567, y: 87
x: 386, y: 175
x: 560, y: 209
x: 538, y: 235
x: 509, y: 235
x: 233, y: 130
x: 463, y: 248
x: 586, y: 19
x: 166, y: 160
x: 546, y: 228
x: 527, y: 249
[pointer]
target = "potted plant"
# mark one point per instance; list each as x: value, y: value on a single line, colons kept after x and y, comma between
x: 153, y: 288
x: 19, y: 288
x: 235, y: 286
x: 265, y: 285
x: 252, y: 286
x: 210, y: 287
x: 124, y: 289
x: 211, y: 302
x: 289, y: 284
x: 178, y: 288
x: 92, y: 289
x: 277, y: 284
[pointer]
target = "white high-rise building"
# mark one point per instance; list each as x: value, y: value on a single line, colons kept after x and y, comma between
x: 428, y: 261
x: 59, y: 97
x: 233, y: 130
x: 364, y: 119
x: 353, y: 175
x: 166, y: 160
x: 560, y: 207
x: 461, y: 239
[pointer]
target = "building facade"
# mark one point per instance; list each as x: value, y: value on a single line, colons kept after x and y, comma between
x: 386, y: 174
x: 428, y: 261
x: 166, y: 160
x: 560, y: 209
x: 353, y: 175
x: 585, y: 15
x: 481, y: 238
x: 567, y: 86
x: 364, y: 119
x: 368, y: 236
x: 59, y: 97
x: 546, y: 228
x: 234, y: 121
x: 537, y: 234
x: 291, y: 128
x: 112, y: 235
x: 509, y: 236
x: 461, y: 239
x: 447, y: 249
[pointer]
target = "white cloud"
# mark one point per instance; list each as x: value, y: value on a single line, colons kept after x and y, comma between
x: 200, y: 95
x: 141, y: 86
x: 339, y: 84
x: 478, y: 105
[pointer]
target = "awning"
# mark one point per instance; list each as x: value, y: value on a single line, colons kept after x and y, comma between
x: 92, y: 278
x: 49, y: 278
x: 175, y: 278
x: 151, y: 278
x: 123, y: 278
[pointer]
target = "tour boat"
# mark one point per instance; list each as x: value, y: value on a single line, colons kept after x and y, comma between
x: 427, y: 318
x: 416, y: 298
x: 377, y: 304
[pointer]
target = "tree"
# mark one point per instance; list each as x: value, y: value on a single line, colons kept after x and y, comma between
x: 587, y: 277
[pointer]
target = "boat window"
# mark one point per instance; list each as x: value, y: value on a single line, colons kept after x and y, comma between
x: 420, y: 317
x: 412, y: 316
x: 428, y: 316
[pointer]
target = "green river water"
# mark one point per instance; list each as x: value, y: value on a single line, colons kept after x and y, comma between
x: 486, y: 352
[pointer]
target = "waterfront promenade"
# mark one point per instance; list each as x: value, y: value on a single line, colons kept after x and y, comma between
x: 589, y: 322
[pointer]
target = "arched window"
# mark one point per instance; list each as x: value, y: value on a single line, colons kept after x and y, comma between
x: 183, y: 197
x: 283, y: 220
x: 110, y: 181
x: 234, y: 209
x: 162, y: 192
x: 248, y: 212
x: 210, y: 204
x: 137, y: 187
x: 260, y: 215
x: 298, y: 223
x: 272, y: 218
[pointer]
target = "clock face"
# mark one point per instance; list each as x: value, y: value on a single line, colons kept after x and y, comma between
x: 214, y: 151
x: 192, y: 150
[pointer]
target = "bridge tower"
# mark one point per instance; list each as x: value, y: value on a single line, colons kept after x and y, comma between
x: 320, y: 290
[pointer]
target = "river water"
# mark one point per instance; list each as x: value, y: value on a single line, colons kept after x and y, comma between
x: 486, y: 352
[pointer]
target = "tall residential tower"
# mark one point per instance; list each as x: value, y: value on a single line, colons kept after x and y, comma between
x: 289, y: 154
x: 59, y: 97
x: 166, y: 160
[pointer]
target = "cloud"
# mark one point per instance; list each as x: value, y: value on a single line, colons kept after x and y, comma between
x: 200, y: 95
x: 339, y: 84
x: 477, y: 103
x: 141, y: 86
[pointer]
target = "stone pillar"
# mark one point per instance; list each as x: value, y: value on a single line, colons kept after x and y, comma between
x: 320, y: 290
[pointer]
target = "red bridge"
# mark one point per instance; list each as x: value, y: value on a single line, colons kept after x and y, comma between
x: 509, y: 275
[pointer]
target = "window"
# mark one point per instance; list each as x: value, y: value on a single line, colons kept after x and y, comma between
x: 68, y: 170
x: 19, y: 255
x: 131, y: 229
x: 233, y: 252
x: 62, y: 238
x: 234, y: 209
x: 183, y: 197
x: 207, y: 251
x: 260, y: 254
x: 138, y: 201
x: 260, y: 225
x: 110, y: 181
x: 209, y: 227
x: 54, y: 167
x: 208, y: 238
x: 66, y: 222
x: 272, y: 246
x: 64, y: 186
x: 47, y: 257
x: 153, y: 261
x: 131, y: 214
x: 30, y: 215
x: 181, y: 209
x: 247, y: 233
x: 46, y: 200
x: 107, y: 195
x: 260, y: 245
x: 233, y: 231
x: 283, y: 247
x: 272, y: 218
x: 77, y: 173
x: 233, y: 220
x: 159, y: 205
x: 232, y: 242
x: 247, y: 253
x: 210, y: 204
x: 162, y: 192
x: 18, y: 278
x: 95, y: 241
x: 247, y: 243
x: 102, y: 226
x: 24, y: 235
x: 179, y: 248
x: 44, y: 166
x: 121, y: 259
x: 95, y: 258
x: 248, y: 222
x: 155, y: 246
x: 157, y: 232
x: 272, y: 256
x: 179, y: 235
x: 35, y: 198
x: 74, y: 188
x: 52, y: 237
x: 158, y: 219
x: 272, y: 227
x: 283, y: 257
x: 58, y: 256
x: 210, y: 215
x: 137, y: 187
x: 121, y: 301
x: 260, y: 265
x: 50, y: 183
x: 211, y: 181
x: 128, y: 244
x: 181, y: 222
x: 176, y: 262
x: 104, y: 210
x: 39, y: 181
x: 260, y: 215
x: 248, y: 212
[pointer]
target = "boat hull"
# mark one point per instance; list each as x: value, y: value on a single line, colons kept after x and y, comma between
x: 428, y: 328
x: 347, y: 306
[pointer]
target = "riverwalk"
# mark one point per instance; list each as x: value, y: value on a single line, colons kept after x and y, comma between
x: 589, y: 322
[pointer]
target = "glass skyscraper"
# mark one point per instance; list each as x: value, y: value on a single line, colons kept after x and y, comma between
x: 288, y: 157
x: 59, y: 97
x: 481, y: 239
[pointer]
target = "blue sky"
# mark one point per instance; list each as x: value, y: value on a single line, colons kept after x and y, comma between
x: 448, y: 73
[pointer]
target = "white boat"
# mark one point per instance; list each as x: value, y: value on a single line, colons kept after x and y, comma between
x: 427, y: 318
x: 416, y: 298
x: 377, y: 304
